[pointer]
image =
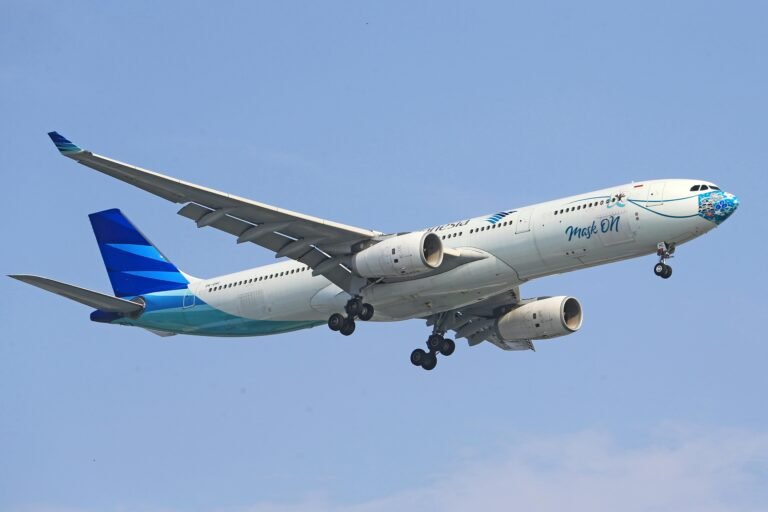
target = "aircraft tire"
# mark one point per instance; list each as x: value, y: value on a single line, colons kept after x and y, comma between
x: 434, y: 342
x: 336, y: 322
x: 417, y: 357
x: 348, y: 327
x: 366, y: 312
x: 430, y: 361
x: 447, y: 347
x: 353, y: 307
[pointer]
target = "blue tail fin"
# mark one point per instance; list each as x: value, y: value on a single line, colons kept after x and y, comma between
x: 135, y: 266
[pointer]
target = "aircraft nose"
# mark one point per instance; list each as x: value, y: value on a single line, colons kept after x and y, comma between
x: 717, y: 206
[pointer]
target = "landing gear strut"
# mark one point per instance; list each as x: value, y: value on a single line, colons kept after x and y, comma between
x: 436, y: 344
x: 355, y: 307
x: 665, y: 252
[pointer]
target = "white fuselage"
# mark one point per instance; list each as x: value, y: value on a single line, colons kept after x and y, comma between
x: 558, y: 236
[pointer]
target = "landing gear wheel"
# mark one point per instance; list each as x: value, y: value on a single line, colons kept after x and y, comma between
x: 353, y: 307
x: 417, y: 357
x: 434, y: 342
x: 348, y: 327
x: 665, y: 252
x: 366, y: 312
x: 336, y: 322
x: 447, y: 347
x: 429, y: 362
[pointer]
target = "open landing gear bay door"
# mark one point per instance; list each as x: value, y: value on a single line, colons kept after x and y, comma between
x: 477, y: 322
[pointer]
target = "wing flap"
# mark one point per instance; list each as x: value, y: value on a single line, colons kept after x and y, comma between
x: 272, y: 239
x: 90, y: 298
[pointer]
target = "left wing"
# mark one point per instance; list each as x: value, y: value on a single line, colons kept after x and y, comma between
x: 318, y: 243
x: 476, y: 322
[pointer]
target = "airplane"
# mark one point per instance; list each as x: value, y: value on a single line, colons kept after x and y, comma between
x: 462, y: 276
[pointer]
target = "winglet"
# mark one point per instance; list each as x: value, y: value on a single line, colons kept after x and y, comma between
x: 65, y: 146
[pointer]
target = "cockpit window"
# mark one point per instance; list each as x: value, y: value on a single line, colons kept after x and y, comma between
x: 695, y: 188
x: 714, y: 187
x: 704, y: 187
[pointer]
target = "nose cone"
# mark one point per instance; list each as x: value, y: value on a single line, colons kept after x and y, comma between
x: 716, y: 206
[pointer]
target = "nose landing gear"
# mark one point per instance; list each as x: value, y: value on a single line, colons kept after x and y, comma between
x: 355, y: 307
x: 436, y: 344
x: 665, y: 252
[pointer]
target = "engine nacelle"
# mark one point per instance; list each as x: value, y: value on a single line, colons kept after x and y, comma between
x: 400, y: 255
x: 541, y: 319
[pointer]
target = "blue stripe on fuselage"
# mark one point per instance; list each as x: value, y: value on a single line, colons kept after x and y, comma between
x: 165, y: 311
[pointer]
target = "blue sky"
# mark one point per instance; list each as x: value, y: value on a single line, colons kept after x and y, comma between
x: 392, y: 116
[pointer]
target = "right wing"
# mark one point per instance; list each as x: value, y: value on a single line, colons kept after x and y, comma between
x: 318, y: 243
x: 91, y: 298
x: 476, y: 322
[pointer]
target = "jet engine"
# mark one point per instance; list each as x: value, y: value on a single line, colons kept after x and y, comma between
x: 544, y: 318
x: 400, y: 255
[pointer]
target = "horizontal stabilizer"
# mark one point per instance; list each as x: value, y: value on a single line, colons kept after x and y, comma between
x: 162, y: 334
x: 91, y: 298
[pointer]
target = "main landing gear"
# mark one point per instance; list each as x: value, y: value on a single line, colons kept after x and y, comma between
x: 436, y: 344
x: 355, y: 308
x: 665, y: 252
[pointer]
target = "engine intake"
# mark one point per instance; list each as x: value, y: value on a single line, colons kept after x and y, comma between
x: 541, y: 319
x: 412, y: 253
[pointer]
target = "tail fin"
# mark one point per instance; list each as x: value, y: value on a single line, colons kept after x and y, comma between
x: 134, y: 265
